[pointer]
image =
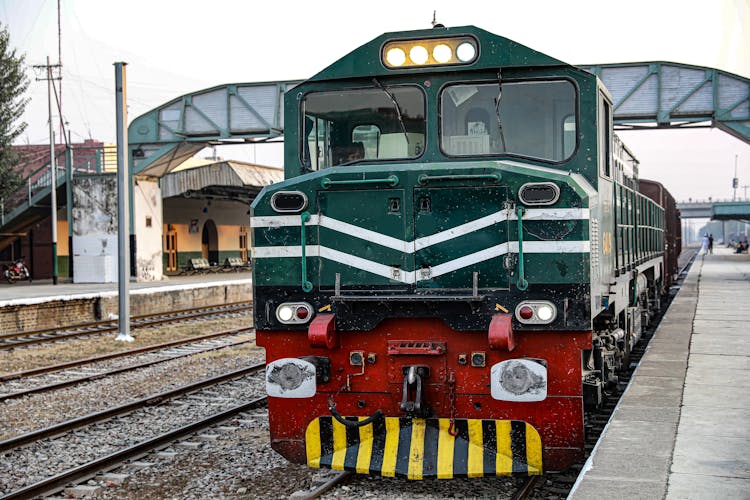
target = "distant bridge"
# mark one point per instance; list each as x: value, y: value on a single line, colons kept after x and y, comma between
x: 715, y: 210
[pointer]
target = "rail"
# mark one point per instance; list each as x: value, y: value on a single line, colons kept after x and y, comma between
x: 90, y: 469
x: 53, y: 430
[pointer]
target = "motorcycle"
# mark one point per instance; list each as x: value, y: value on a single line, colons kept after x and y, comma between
x: 16, y: 272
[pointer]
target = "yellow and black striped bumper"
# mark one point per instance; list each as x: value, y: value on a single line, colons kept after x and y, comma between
x: 417, y: 448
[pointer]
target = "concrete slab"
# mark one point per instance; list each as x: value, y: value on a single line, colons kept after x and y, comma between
x: 664, y: 369
x: 629, y: 437
x: 707, y: 455
x: 632, y: 465
x: 735, y: 345
x: 716, y: 422
x: 720, y: 372
x: 728, y: 363
x: 700, y: 487
x: 597, y: 488
x: 637, y: 412
x: 719, y: 396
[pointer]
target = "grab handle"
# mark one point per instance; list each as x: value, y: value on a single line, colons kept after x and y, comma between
x: 391, y: 180
x: 306, y: 285
x: 424, y: 178
x: 522, y: 284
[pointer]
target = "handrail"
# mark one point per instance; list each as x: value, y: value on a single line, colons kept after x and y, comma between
x: 424, y: 178
x: 391, y: 180
x: 306, y: 285
x: 522, y: 284
x: 92, y: 160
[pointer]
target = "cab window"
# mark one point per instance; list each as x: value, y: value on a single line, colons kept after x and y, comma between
x: 353, y: 125
x: 531, y: 119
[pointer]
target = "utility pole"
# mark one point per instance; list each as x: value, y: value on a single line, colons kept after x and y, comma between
x: 53, y: 166
x: 745, y: 188
x: 123, y: 209
x: 59, y: 63
x: 735, y: 181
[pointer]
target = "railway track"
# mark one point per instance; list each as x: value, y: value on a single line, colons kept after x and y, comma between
x: 123, y: 423
x: 16, y: 385
x: 35, y: 337
x: 90, y: 469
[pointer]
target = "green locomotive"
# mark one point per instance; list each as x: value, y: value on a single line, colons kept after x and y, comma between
x: 456, y: 264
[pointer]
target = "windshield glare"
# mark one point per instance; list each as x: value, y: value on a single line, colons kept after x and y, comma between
x: 362, y: 124
x: 532, y: 119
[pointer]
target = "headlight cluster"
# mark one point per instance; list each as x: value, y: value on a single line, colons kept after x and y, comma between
x: 294, y: 312
x: 536, y: 312
x: 429, y: 52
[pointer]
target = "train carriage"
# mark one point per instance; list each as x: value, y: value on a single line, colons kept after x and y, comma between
x: 456, y: 264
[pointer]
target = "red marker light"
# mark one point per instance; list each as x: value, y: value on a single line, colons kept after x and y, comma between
x: 526, y: 312
x: 302, y: 312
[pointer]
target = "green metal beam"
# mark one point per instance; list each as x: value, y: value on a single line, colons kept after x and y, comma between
x: 227, y: 114
x: 651, y: 95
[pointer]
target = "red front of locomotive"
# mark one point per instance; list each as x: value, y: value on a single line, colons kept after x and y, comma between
x: 367, y: 374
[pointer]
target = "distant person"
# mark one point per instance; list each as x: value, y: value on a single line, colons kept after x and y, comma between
x: 711, y: 244
x: 704, y: 244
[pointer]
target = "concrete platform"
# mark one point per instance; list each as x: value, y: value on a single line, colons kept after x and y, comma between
x: 28, y: 306
x: 682, y: 428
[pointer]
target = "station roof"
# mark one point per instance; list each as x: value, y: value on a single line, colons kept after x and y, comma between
x: 226, y: 180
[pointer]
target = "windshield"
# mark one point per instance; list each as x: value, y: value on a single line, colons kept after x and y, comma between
x: 348, y: 126
x: 532, y: 119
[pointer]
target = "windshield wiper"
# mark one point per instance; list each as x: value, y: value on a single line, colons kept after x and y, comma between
x: 497, y: 108
x: 395, y: 105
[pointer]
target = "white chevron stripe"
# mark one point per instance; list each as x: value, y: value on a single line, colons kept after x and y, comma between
x: 410, y: 277
x: 366, y: 234
x: 466, y: 228
x: 467, y: 260
x: 425, y: 241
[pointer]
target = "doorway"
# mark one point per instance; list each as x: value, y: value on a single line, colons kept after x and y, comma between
x: 210, y: 242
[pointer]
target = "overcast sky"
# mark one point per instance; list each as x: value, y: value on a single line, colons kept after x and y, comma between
x: 176, y: 47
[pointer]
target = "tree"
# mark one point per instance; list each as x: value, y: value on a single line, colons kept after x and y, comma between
x: 13, y: 84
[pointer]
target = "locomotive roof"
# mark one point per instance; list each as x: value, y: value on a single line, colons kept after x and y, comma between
x: 494, y: 51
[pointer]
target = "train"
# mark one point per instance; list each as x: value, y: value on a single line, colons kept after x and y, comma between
x: 458, y: 263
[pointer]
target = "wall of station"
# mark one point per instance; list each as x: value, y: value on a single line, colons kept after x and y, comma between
x: 210, y: 229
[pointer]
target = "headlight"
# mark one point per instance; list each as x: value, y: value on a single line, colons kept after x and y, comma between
x: 292, y: 313
x: 442, y: 53
x: 466, y: 52
x: 395, y: 57
x: 290, y: 378
x: 430, y: 52
x: 418, y: 54
x: 536, y: 312
x: 519, y: 380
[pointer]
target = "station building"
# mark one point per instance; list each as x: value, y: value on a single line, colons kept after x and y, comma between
x: 199, y: 210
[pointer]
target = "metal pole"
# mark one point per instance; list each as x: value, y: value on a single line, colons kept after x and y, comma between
x: 123, y: 211
x: 69, y: 200
x: 53, y: 170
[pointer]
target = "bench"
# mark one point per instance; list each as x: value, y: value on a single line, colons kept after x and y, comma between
x: 235, y: 264
x: 199, y: 265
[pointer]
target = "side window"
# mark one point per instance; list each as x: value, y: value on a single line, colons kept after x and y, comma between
x: 369, y: 137
x: 605, y: 137
x: 318, y: 134
x: 569, y: 135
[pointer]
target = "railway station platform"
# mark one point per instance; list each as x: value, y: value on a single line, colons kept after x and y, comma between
x: 681, y: 430
x: 28, y: 306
